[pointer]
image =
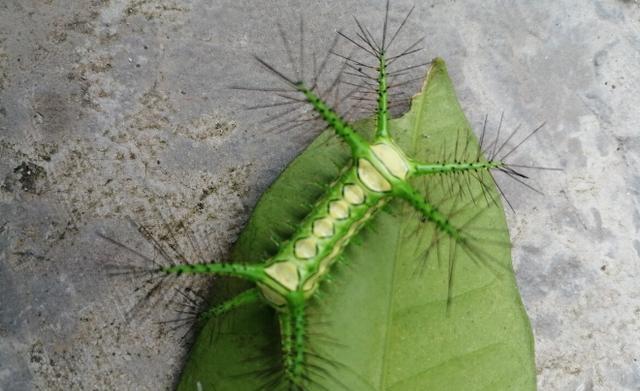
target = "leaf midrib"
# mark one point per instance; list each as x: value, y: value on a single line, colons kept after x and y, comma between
x: 401, y: 231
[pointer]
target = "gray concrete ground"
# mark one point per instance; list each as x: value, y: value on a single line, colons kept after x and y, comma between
x: 112, y: 109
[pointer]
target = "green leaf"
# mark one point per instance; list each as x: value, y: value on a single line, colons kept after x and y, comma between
x: 387, y: 306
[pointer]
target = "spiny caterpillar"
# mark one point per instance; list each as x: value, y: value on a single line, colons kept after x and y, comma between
x: 379, y: 171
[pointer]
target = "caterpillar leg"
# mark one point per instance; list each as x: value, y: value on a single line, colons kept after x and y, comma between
x: 444, y: 226
x: 249, y: 272
x: 191, y: 314
x: 342, y: 128
x: 431, y: 213
x: 455, y: 233
x: 453, y: 168
x: 470, y: 163
x: 293, y: 335
x: 247, y: 297
x: 286, y: 334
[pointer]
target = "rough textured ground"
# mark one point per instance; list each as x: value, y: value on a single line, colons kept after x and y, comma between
x: 118, y: 109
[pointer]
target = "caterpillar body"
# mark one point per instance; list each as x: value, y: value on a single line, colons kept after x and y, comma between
x: 378, y: 172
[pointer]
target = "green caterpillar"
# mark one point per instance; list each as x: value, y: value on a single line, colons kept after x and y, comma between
x: 378, y: 172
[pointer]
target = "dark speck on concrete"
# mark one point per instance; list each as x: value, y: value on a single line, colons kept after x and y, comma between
x: 28, y: 177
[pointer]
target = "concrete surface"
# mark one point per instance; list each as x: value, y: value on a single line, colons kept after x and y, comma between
x: 112, y: 109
